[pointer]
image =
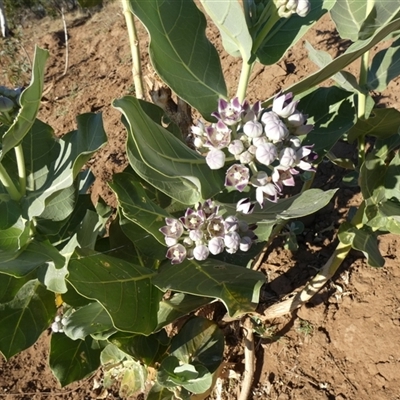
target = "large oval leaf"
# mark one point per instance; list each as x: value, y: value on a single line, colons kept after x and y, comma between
x: 237, y: 287
x: 164, y: 154
x: 229, y: 18
x: 181, y: 53
x: 354, y: 22
x: 122, y: 288
x: 72, y: 360
x: 24, y: 318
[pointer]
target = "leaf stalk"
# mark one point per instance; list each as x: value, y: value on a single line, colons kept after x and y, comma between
x: 9, y: 184
x: 19, y: 154
x: 135, y: 51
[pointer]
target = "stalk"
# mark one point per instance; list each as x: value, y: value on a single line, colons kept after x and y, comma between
x: 9, y: 184
x: 362, y: 96
x: 316, y: 283
x: 135, y: 51
x: 244, y: 80
x: 19, y: 154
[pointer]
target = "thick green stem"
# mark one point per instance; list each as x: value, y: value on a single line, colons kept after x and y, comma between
x: 244, y: 80
x: 135, y: 51
x: 19, y: 154
x: 362, y: 95
x: 9, y: 184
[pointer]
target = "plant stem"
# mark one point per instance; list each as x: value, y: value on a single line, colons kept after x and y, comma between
x: 135, y: 51
x: 244, y: 80
x: 316, y: 283
x: 362, y: 95
x: 19, y: 154
x: 9, y: 184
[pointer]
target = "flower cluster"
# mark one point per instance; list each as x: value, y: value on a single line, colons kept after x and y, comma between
x: 265, y: 143
x: 9, y: 104
x: 202, y: 231
x: 58, y: 325
x: 288, y: 7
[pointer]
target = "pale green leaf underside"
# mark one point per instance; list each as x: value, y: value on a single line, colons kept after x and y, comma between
x: 180, y: 51
x: 229, y: 18
x: 354, y: 22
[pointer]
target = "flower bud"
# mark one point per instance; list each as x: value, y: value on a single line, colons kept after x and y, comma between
x: 245, y: 243
x: 236, y: 147
x: 253, y: 129
x: 215, y: 159
x: 274, y: 128
x: 216, y: 245
x: 201, y: 252
x: 246, y: 157
x: 266, y: 153
x: 232, y: 241
x: 6, y: 104
x: 231, y: 223
x: 303, y: 8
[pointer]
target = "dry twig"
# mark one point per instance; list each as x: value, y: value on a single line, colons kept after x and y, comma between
x: 249, y: 359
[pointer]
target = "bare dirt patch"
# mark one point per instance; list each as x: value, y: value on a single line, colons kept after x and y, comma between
x: 345, y: 344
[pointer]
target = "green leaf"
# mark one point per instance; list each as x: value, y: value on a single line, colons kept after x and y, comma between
x: 36, y: 254
x: 364, y: 240
x: 179, y: 305
x: 322, y: 58
x: 158, y: 392
x: 332, y: 112
x: 147, y: 349
x: 196, y: 379
x: 15, y: 237
x: 87, y: 320
x: 308, y: 203
x: 384, y: 68
x: 177, y: 43
x: 392, y: 178
x: 137, y: 207
x: 352, y: 21
x: 237, y: 287
x: 199, y: 341
x: 9, y: 286
x: 52, y: 172
x: 165, y: 154
x: 122, y: 288
x: 354, y: 52
x: 297, y: 206
x: 287, y: 31
x: 371, y: 179
x: 144, y: 243
x: 229, y: 18
x: 23, y: 319
x: 30, y: 103
x: 382, y: 123
x: 10, y: 212
x: 73, y: 360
